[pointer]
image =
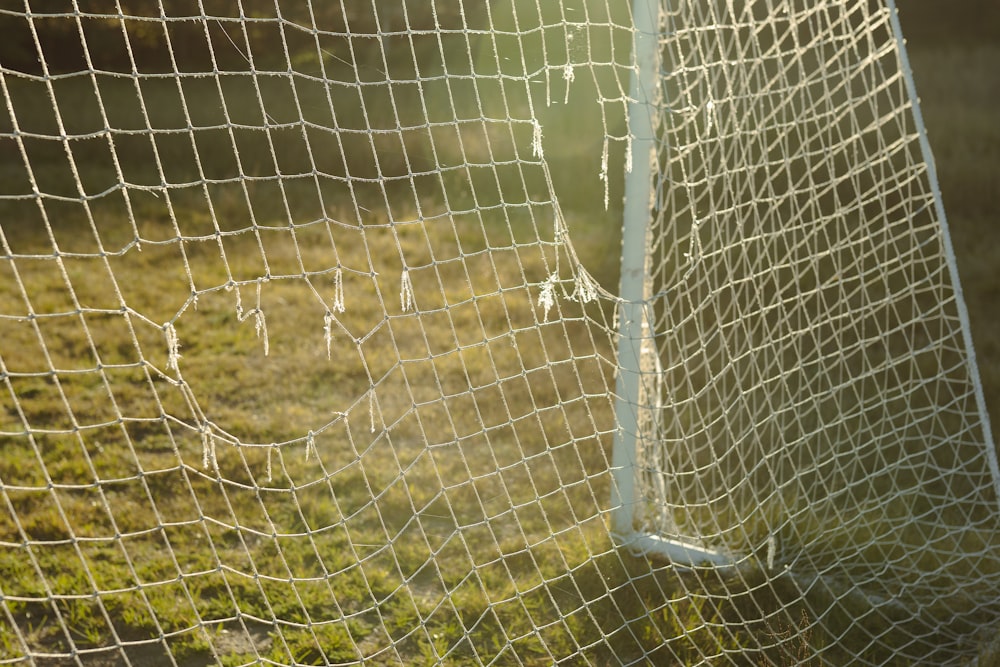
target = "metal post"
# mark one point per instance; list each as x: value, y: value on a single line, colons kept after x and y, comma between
x: 643, y: 102
x: 638, y: 199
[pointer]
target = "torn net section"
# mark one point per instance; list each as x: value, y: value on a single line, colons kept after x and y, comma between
x: 295, y: 362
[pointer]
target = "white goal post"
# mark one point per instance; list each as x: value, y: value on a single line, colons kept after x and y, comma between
x: 634, y: 337
x: 639, y: 385
x: 515, y: 332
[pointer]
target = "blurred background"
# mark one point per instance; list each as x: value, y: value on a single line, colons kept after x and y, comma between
x: 954, y: 50
x: 955, y: 55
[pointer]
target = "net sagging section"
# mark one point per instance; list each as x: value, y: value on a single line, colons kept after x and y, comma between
x: 301, y: 362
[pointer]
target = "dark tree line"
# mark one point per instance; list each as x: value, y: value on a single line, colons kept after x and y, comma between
x: 206, y: 34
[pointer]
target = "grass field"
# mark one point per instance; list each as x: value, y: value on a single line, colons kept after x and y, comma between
x: 472, y: 530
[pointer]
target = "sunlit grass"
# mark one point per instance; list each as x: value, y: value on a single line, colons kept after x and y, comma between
x: 456, y: 534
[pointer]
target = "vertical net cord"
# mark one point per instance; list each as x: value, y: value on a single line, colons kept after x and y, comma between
x: 949, y: 251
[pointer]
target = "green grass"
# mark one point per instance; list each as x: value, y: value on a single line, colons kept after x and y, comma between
x: 499, y: 548
x: 493, y: 535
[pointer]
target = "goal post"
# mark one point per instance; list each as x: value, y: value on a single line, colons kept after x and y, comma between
x: 797, y: 386
x: 635, y: 339
x: 638, y: 386
x: 634, y: 281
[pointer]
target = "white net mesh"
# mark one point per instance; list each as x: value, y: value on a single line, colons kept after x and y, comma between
x: 815, y: 409
x: 301, y: 362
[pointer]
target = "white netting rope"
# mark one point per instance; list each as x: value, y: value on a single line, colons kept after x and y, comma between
x: 300, y: 362
x: 815, y: 383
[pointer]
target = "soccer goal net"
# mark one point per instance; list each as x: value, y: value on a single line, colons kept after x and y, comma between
x: 515, y: 332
